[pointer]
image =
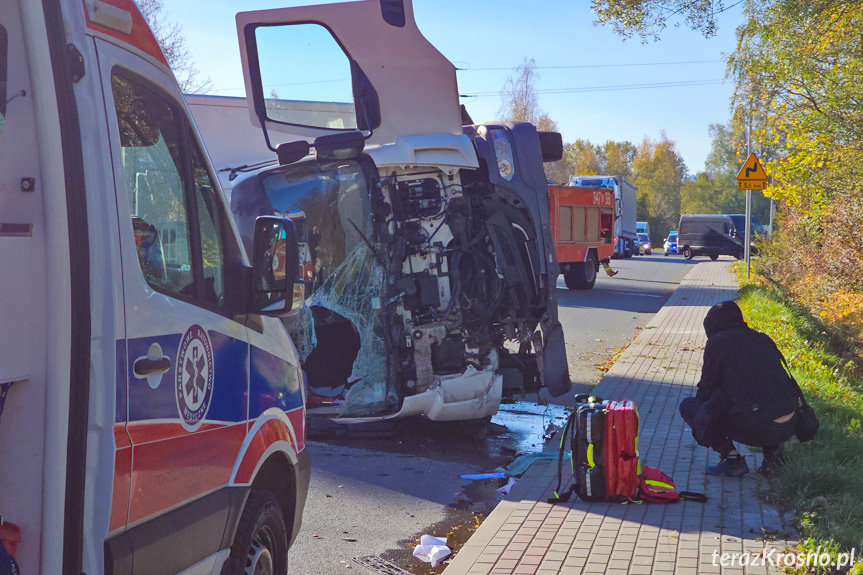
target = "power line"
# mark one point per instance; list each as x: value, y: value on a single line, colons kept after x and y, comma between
x: 611, y: 88
x: 575, y: 66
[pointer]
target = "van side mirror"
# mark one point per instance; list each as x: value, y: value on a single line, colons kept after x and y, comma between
x: 276, y: 288
x: 551, y: 145
x: 733, y: 233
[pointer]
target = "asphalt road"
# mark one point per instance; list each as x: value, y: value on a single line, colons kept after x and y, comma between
x: 375, y: 489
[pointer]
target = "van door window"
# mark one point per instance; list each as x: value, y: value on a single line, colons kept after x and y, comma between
x: 179, y: 242
x: 315, y: 90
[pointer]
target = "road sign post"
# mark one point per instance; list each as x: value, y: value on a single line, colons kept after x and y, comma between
x: 747, y: 253
x: 751, y: 177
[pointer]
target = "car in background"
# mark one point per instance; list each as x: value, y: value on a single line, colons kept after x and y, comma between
x: 670, y: 245
x: 644, y: 247
x: 712, y: 235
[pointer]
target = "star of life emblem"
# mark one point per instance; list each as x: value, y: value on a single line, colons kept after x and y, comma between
x: 194, y: 381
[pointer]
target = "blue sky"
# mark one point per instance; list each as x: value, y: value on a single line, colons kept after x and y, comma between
x: 480, y: 34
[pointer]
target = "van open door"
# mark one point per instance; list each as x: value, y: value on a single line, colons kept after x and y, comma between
x: 313, y: 71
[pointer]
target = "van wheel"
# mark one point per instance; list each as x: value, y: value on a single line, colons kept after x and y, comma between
x: 261, y: 543
x: 740, y: 254
x: 687, y: 253
x: 714, y: 257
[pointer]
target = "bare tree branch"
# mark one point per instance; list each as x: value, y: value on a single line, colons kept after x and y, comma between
x: 173, y: 43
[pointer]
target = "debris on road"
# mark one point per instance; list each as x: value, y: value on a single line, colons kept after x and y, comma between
x: 481, y: 476
x: 432, y: 550
x: 520, y: 465
x: 506, y: 488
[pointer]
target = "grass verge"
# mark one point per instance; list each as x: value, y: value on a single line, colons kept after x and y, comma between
x: 823, y: 479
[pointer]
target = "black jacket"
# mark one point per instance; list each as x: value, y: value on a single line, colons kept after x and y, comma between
x: 743, y: 373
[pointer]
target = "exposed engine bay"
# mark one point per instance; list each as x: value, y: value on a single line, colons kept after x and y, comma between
x: 425, y: 287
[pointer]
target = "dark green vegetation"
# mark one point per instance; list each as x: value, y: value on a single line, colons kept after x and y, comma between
x: 822, y: 480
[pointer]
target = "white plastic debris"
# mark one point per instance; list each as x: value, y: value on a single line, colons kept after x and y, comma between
x: 505, y: 489
x: 432, y: 550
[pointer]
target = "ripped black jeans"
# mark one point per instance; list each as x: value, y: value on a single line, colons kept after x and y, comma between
x: 748, y: 428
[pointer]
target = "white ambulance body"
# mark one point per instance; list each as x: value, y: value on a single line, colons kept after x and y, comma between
x: 154, y: 420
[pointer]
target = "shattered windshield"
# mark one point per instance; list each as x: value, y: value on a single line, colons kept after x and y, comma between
x: 338, y: 335
x: 329, y: 205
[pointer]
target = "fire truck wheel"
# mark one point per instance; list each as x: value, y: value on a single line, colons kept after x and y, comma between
x: 570, y: 278
x: 582, y: 275
x: 261, y: 542
x: 590, y: 271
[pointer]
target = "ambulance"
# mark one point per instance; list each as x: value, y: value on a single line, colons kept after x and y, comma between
x: 152, y: 412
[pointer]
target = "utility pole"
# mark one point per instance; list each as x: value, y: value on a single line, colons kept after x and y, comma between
x: 772, y: 214
x: 750, y: 177
x: 747, y: 241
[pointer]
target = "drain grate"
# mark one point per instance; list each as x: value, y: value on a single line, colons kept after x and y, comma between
x: 380, y: 566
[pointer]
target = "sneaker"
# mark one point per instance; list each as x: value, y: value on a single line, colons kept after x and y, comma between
x: 729, y: 467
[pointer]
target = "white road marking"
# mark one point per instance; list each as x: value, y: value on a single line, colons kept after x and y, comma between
x: 633, y: 293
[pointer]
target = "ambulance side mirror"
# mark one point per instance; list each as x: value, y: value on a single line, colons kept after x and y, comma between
x: 276, y: 288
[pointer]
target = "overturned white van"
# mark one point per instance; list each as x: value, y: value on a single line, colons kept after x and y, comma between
x: 427, y: 262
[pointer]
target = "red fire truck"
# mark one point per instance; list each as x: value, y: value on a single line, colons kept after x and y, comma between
x: 582, y: 220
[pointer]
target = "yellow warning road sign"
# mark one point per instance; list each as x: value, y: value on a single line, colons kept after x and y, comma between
x: 752, y: 171
x: 744, y: 185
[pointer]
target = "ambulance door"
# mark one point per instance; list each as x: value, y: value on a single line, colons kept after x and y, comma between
x: 186, y: 357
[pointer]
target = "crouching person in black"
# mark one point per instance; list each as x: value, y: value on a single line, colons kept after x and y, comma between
x: 744, y: 394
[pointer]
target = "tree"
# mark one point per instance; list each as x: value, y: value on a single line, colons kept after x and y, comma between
x: 616, y: 158
x: 659, y: 171
x: 518, y: 99
x: 582, y: 158
x: 170, y: 38
x: 797, y: 67
x: 648, y: 18
x: 519, y: 102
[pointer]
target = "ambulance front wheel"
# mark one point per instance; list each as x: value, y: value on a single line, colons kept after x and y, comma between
x: 261, y: 542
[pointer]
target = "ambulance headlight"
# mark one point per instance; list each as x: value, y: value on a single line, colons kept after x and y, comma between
x: 503, y: 153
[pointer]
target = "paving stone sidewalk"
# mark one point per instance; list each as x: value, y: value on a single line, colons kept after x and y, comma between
x: 527, y: 535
